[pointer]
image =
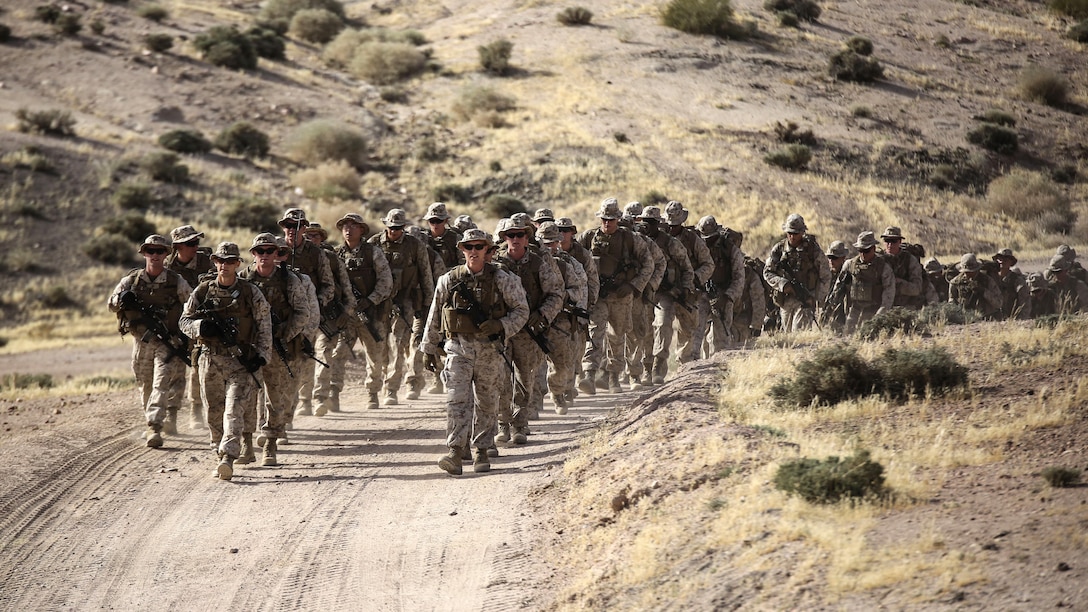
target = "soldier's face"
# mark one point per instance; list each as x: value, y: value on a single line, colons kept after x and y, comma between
x: 438, y: 226
x: 154, y: 258
x: 227, y: 268
x: 566, y: 236
x: 795, y: 238
x: 187, y: 250
x: 475, y: 254
x: 517, y: 241
x: 293, y: 235
x: 609, y: 226
x: 352, y: 231
x: 395, y: 233
x: 314, y: 237
x: 893, y: 246
x: 265, y: 256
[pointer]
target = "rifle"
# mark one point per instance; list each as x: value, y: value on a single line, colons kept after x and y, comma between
x: 330, y: 318
x: 277, y: 344
x: 572, y: 309
x: 799, y: 289
x: 228, y: 335
x: 366, y: 319
x: 836, y: 300
x: 476, y: 312
x: 308, y: 350
x: 681, y: 300
x: 178, y: 346
x: 540, y: 339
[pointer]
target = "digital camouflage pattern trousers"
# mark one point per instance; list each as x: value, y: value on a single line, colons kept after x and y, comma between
x: 161, y: 380
x: 227, y: 390
x: 473, y: 376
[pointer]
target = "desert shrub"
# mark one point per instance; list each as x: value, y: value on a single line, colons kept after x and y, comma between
x: 251, y: 215
x: 653, y: 198
x: 1060, y: 477
x: 787, y: 19
x: 133, y: 196
x: 428, y: 150
x: 5, y: 33
x: 997, y: 116
x: 279, y: 25
x: 475, y: 101
x: 906, y: 372
x: 503, y: 205
x: 790, y: 157
x: 393, y: 95
x: 267, y: 43
x: 227, y: 47
x: 1065, y: 174
x: 56, y: 297
x: 316, y: 25
x: 47, y: 13
x: 862, y: 112
x: 1077, y: 9
x: 54, y: 122
x: 860, y: 45
x: 341, y: 50
x: 152, y: 12
x: 1078, y: 32
x: 889, y: 322
x: 98, y: 27
x: 830, y: 480
x: 832, y: 375
x: 1043, y: 85
x: 995, y: 138
x: 286, y: 9
x: 159, y: 43
x: 575, y: 16
x: 68, y: 24
x: 452, y: 192
x: 132, y: 225
x: 1031, y: 196
x: 710, y: 17
x: 185, y: 141
x: 30, y: 158
x: 945, y: 313
x: 164, y: 166
x: 804, y: 10
x: 383, y: 63
x: 110, y: 249
x: 495, y: 56
x: 241, y: 138
x: 26, y: 381
x: 846, y: 65
x: 792, y: 134
x: 331, y: 180
x: 323, y: 140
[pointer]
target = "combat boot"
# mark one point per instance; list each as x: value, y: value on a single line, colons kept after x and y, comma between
x: 321, y: 406
x: 586, y: 384
x: 196, y: 418
x: 492, y: 451
x: 481, y: 463
x: 504, y: 433
x: 451, y: 462
x: 247, y: 455
x: 154, y: 438
x: 614, y: 382
x: 413, y: 394
x: 560, y: 404
x: 520, y: 435
x: 306, y: 408
x: 225, y: 469
x: 437, y: 388
x: 601, y: 380
x: 268, y: 458
x: 372, y: 402
x: 334, y: 400
x: 390, y: 397
x: 466, y: 452
x: 170, y: 422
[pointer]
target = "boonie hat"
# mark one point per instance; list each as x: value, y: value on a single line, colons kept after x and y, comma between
x: 707, y: 226
x: 932, y: 265
x: 632, y: 209
x: 892, y: 233
x: 315, y: 228
x: 651, y: 213
x: 185, y: 233
x: 155, y: 240
x: 227, y: 250
x: 795, y: 224
x: 395, y: 218
x: 1059, y: 264
x: 1005, y: 254
x: 263, y: 239
x: 675, y: 213
x: 352, y: 218
x: 543, y: 214
x: 548, y: 232
x: 474, y: 234
x: 294, y: 217
x: 610, y: 209
x: 565, y: 223
x: 969, y: 263
x: 866, y: 240
x: 437, y: 211
x: 838, y: 249
x: 1036, y: 282
x: 463, y: 223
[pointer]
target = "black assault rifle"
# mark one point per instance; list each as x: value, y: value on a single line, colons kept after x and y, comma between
x: 277, y: 344
x: 151, y: 318
x: 227, y: 330
x: 475, y: 312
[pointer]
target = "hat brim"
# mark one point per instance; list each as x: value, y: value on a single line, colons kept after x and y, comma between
x: 289, y: 223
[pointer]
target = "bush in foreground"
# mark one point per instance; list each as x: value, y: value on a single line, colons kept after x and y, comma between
x: 708, y: 17
x: 158, y: 43
x: 54, y: 122
x: 1031, y: 196
x: 164, y: 166
x: 495, y: 56
x: 385, y: 63
x: 833, y: 479
x: 1078, y: 32
x: 267, y: 43
x: 802, y: 10
x: 133, y: 196
x: 132, y: 225
x: 241, y: 138
x: 251, y: 215
x: 903, y: 373
x: 5, y: 33
x: 152, y: 12
x: 474, y: 102
x: 1077, y: 9
x: 891, y: 321
x: 502, y: 205
x: 286, y: 9
x: 575, y: 16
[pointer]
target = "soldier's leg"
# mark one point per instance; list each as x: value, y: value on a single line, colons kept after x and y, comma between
x: 741, y: 328
x: 685, y: 332
x: 636, y: 340
x: 398, y: 341
x: 619, y: 319
x: 417, y: 374
x: 527, y: 358
x: 305, y: 376
x: 487, y: 390
x: 375, y: 353
x: 213, y: 392
x: 241, y: 391
x: 562, y: 358
x: 345, y: 350
x: 596, y: 347
x: 165, y: 375
x: 324, y: 347
x: 143, y: 368
x: 460, y: 399
x: 541, y: 384
x: 664, y: 322
x: 504, y: 409
x: 278, y: 391
x: 196, y: 404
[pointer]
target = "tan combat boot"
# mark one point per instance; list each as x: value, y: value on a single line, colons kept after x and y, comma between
x: 225, y: 469
x: 451, y: 462
x: 481, y: 463
x: 372, y: 402
x: 170, y: 422
x: 520, y: 435
x: 586, y: 384
x: 154, y: 438
x: 504, y: 433
x: 269, y: 456
x: 247, y: 455
x: 196, y: 418
x: 614, y: 382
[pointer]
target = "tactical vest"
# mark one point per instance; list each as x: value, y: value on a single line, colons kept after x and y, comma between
x: 721, y: 255
x: 201, y: 264
x: 306, y: 258
x: 457, y: 311
x: 160, y: 297
x: 614, y: 256
x: 403, y: 263
x: 334, y: 267
x: 234, y: 303
x: 528, y: 270
x: 800, y: 263
x: 672, y: 272
x: 446, y: 246
x: 274, y: 289
x: 360, y: 268
x: 866, y: 286
x: 579, y: 253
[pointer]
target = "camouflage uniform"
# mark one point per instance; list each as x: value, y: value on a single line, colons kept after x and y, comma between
x: 199, y: 265
x: 910, y: 285
x: 975, y: 290
x: 693, y: 322
x: 726, y: 283
x: 1043, y: 300
x: 936, y: 273
x: 804, y: 263
x: 326, y: 394
x: 1070, y: 293
x: 584, y: 257
x: 749, y: 310
x: 676, y: 284
x: 417, y: 378
x: 869, y: 286
x: 1015, y: 293
x: 159, y: 373
x: 474, y: 364
x: 640, y: 336
x: 565, y: 352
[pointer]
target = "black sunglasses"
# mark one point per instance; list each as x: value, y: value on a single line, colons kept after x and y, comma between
x: 155, y: 251
x: 516, y: 234
x: 436, y: 221
x: 866, y: 250
x: 266, y: 250
x: 476, y: 246
x: 191, y: 243
x: 892, y: 240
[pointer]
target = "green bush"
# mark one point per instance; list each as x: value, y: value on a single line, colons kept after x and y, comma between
x: 495, y: 57
x: 110, y: 249
x: 790, y: 157
x: 832, y: 375
x: 393, y: 95
x: 164, y: 166
x: 998, y: 117
x: 945, y: 313
x: 1061, y: 477
x: 328, y: 181
x: 5, y: 33
x: 1065, y: 174
x: 190, y: 142
x: 241, y: 138
x: 452, y: 192
x: 787, y: 19
x: 267, y: 43
x: 1043, y: 85
x: 891, y: 321
x: 159, y: 43
x: 68, y: 24
x: 340, y: 52
x: 26, y: 381
x: 133, y: 196
x: 56, y: 297
x: 1078, y: 32
x: 791, y: 133
x: 286, y: 9
x: 131, y: 225
x: 709, y: 17
x: 53, y: 122
x: 860, y: 45
x: 251, y: 215
x: 905, y: 372
x: 384, y: 63
x: 317, y: 26
x: 503, y: 206
x: 846, y: 65
x: 1028, y: 196
x: 1077, y: 9
x: 323, y: 140
x: 804, y: 10
x: 830, y: 480
x: 47, y: 13
x: 152, y: 12
x: 98, y: 27
x: 227, y: 47
x: 995, y: 138
x: 575, y: 16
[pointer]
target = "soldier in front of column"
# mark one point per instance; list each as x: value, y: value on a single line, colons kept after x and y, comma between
x: 797, y: 274
x: 231, y: 321
x: 148, y: 302
x: 325, y: 393
x: 910, y: 286
x: 975, y: 290
x: 413, y: 287
x: 867, y: 283
x: 676, y: 284
x: 692, y: 322
x: 565, y: 352
x: 191, y: 261
x: 1015, y: 293
x: 371, y: 283
x: 476, y: 306
x: 726, y: 282
x: 290, y: 312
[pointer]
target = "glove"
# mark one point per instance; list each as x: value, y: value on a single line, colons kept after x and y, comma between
x: 129, y: 300
x: 363, y: 304
x: 537, y: 323
x: 255, y: 363
x: 650, y: 296
x: 756, y: 331
x: 624, y: 290
x: 491, y: 327
x: 208, y: 329
x: 431, y: 362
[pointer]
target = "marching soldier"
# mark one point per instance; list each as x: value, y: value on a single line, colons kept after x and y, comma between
x: 692, y: 321
x: 326, y: 394
x: 974, y: 290
x: 797, y: 275
x: 191, y: 262
x: 417, y: 377
x: 676, y: 286
x: 910, y: 286
x: 1070, y: 294
x: 1015, y: 293
x: 866, y: 282
x: 569, y: 245
x: 726, y: 283
x: 564, y: 354
x: 640, y: 335
x: 148, y: 303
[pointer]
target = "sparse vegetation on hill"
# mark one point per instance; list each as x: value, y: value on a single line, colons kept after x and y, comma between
x: 316, y: 25
x: 325, y: 140
x: 1032, y: 197
x: 708, y: 17
x: 495, y: 56
x: 227, y: 47
x: 798, y: 10
x: 384, y: 63
x: 575, y: 16
x: 185, y: 141
x: 830, y: 480
x: 53, y: 122
x: 1043, y: 85
x: 241, y: 138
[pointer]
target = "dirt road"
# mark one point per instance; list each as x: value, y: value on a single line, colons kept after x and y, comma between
x: 358, y: 516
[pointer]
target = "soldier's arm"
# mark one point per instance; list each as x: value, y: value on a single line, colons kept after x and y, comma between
x: 114, y: 302
x: 703, y: 266
x: 770, y: 269
x: 325, y: 280
x: 759, y: 302
x: 426, y: 281
x: 184, y: 290
x: 517, y: 306
x: 736, y: 261
x: 910, y: 286
x: 593, y: 282
x: 432, y: 332
x: 298, y: 298
x: 1023, y: 300
x: 262, y: 319
x: 686, y: 276
x: 645, y: 264
x: 383, y: 284
x: 343, y: 282
x: 577, y: 284
x: 660, y: 263
x: 887, y: 280
x: 823, y: 284
x: 313, y: 307
x: 551, y: 283
x: 189, y: 325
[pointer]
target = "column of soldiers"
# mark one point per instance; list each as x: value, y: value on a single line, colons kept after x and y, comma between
x: 501, y: 321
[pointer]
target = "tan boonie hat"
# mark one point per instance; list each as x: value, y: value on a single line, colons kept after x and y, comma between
x: 294, y: 217
x: 838, y: 249
x: 185, y: 233
x: 632, y: 209
x: 1059, y: 263
x: 463, y: 223
x: 436, y: 211
x: 707, y: 226
x: 652, y: 213
x: 548, y: 232
x: 263, y: 239
x: 1036, y: 282
x: 565, y: 223
x: 1004, y: 254
x: 155, y: 240
x: 227, y: 250
x: 395, y: 218
x: 610, y: 209
x: 500, y: 227
x: 932, y: 265
x: 795, y: 224
x: 866, y: 240
x: 474, y: 234
x: 969, y: 263
x: 315, y: 228
x: 1067, y: 252
x: 675, y: 213
x: 543, y: 214
x: 892, y: 233
x: 353, y: 218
